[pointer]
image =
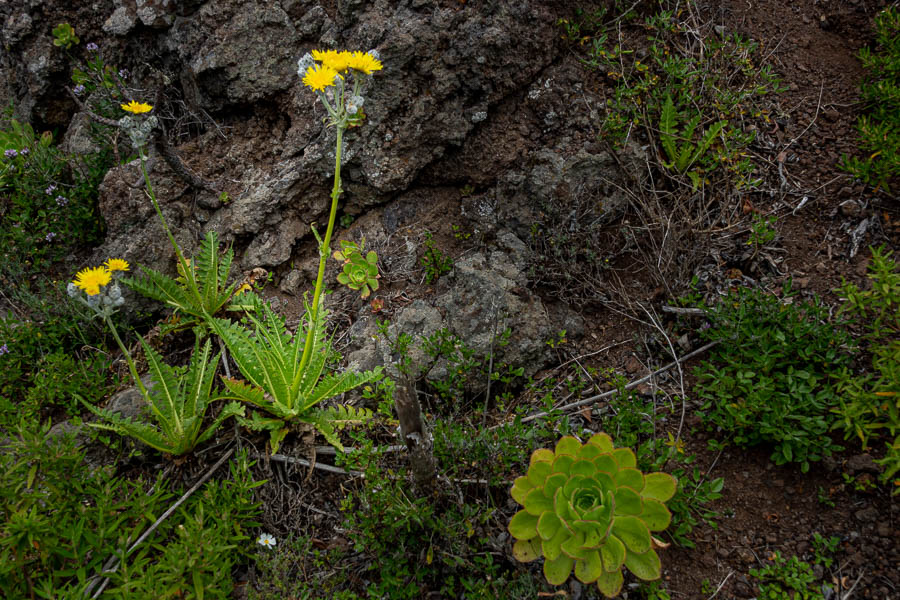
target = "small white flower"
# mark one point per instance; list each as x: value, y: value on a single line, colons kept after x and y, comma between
x: 266, y: 540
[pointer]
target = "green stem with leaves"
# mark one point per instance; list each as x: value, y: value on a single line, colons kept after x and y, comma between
x: 324, y: 252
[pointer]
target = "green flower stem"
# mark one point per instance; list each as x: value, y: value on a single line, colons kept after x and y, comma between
x: 181, y: 260
x: 131, y: 366
x: 323, y: 251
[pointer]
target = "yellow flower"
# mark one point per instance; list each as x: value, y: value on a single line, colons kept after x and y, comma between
x: 332, y: 58
x: 136, y: 107
x: 92, y: 279
x: 116, y: 264
x: 319, y: 77
x: 244, y: 288
x: 365, y: 62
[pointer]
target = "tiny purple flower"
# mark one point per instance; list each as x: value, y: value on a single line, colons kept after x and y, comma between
x: 10, y: 153
x: 61, y: 200
x: 123, y: 73
x: 24, y: 152
x: 49, y: 237
x: 4, y: 350
x: 92, y: 47
x: 50, y: 189
x: 79, y: 89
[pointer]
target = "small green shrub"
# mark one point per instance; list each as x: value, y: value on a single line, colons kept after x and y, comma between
x: 787, y: 578
x: 206, y: 540
x: 48, y: 200
x: 879, y: 130
x: 772, y: 379
x: 60, y: 519
x: 869, y: 404
x: 436, y: 263
x: 414, y: 545
x: 61, y: 379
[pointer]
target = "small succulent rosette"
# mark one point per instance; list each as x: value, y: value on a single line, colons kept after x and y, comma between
x: 588, y: 508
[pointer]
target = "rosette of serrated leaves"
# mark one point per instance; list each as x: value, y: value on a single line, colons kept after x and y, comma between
x: 587, y: 508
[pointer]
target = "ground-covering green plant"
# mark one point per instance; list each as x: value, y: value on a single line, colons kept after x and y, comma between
x: 47, y: 352
x: 415, y: 544
x: 787, y: 578
x: 772, y: 379
x: 879, y: 130
x: 60, y: 519
x: 48, y: 200
x: 869, y: 404
x: 207, y: 539
x: 587, y: 508
x: 694, y: 103
x: 436, y: 263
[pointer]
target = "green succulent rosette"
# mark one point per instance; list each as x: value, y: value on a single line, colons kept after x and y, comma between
x: 588, y: 508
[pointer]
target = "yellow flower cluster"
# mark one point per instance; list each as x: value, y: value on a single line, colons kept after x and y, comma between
x: 92, y: 279
x: 334, y: 63
x: 136, y: 107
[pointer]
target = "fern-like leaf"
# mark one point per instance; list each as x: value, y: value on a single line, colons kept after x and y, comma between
x: 667, y: 132
x: 337, y: 384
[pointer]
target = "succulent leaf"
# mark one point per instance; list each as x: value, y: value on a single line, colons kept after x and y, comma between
x: 625, y: 457
x: 542, y: 455
x: 557, y: 571
x: 613, y: 554
x: 553, y: 482
x: 548, y: 525
x: 538, y: 472
x: 521, y: 487
x: 536, y: 503
x: 628, y: 502
x: 589, y: 569
x: 551, y: 547
x: 563, y: 463
x: 659, y: 486
x: 567, y: 445
x: 633, y: 533
x: 645, y: 566
x: 606, y: 463
x: 630, y: 478
x: 523, y: 526
x: 602, y: 441
x: 655, y: 515
x: 610, y: 583
x: 527, y: 550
